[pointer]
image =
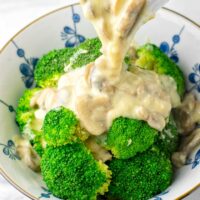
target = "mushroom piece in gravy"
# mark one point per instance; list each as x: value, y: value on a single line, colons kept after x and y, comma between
x: 188, y: 145
x: 27, y: 154
x: 188, y: 114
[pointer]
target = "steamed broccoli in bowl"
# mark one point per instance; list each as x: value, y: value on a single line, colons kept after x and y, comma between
x: 61, y: 127
x: 140, y: 177
x: 127, y: 137
x: 53, y: 64
x: 29, y: 126
x: 168, y: 139
x: 24, y: 112
x: 71, y: 172
x: 140, y: 166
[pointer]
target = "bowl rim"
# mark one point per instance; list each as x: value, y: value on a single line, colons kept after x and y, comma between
x: 2, y: 172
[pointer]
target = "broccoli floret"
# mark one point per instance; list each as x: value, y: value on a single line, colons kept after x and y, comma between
x: 24, y: 112
x: 168, y: 139
x: 61, y: 127
x: 140, y: 177
x: 38, y: 143
x: 86, y: 52
x: 152, y: 58
x: 71, y: 172
x: 51, y: 66
x: 28, y: 125
x: 127, y: 137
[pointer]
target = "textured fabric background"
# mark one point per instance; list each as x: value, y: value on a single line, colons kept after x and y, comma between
x: 15, y: 14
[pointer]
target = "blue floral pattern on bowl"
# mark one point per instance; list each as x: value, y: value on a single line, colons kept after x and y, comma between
x: 194, y: 78
x: 10, y: 107
x: 27, y: 68
x: 194, y: 163
x: 9, y: 150
x: 157, y: 197
x: 170, y: 50
x: 70, y: 34
x: 46, y: 194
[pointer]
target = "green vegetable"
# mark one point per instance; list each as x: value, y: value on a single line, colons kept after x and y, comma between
x: 61, y: 127
x: 152, y: 58
x: 24, y: 112
x: 71, y: 172
x: 52, y: 65
x: 86, y: 52
x: 28, y: 125
x: 39, y: 144
x: 141, y: 177
x: 168, y: 139
x: 127, y: 137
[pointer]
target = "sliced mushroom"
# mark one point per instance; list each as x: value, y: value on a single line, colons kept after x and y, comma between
x: 188, y: 114
x: 27, y: 154
x: 189, y: 144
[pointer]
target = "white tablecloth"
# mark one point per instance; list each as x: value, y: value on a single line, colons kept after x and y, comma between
x: 15, y: 14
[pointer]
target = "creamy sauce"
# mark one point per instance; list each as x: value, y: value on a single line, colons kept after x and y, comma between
x: 139, y: 94
x: 104, y: 90
x: 114, y: 23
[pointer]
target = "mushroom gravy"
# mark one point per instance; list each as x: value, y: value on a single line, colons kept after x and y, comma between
x: 104, y: 90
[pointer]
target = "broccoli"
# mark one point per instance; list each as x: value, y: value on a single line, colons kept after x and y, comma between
x: 140, y: 177
x: 86, y: 52
x: 52, y: 65
x: 28, y: 125
x: 152, y: 58
x: 38, y: 143
x: 71, y: 172
x: 61, y: 127
x: 24, y: 112
x: 127, y: 137
x: 168, y: 139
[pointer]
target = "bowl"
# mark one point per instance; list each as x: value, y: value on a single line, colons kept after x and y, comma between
x: 66, y: 27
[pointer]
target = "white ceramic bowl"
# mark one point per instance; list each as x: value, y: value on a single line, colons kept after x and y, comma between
x: 176, y: 36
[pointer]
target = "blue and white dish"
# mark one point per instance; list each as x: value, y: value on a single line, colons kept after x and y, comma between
x: 66, y: 27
